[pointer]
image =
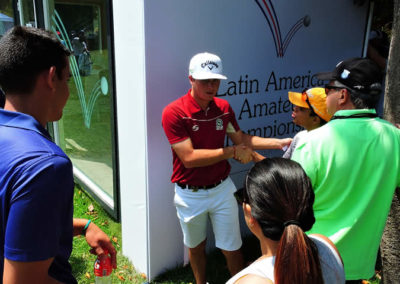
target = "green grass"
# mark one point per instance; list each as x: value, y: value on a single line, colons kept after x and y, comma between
x: 217, y: 271
x: 82, y: 261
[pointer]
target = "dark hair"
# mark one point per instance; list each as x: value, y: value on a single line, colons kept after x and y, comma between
x: 281, y: 199
x: 312, y: 112
x: 361, y: 100
x: 24, y: 53
x: 2, y: 99
x: 321, y: 121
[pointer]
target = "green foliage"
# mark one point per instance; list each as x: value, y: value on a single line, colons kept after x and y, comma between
x: 6, y: 7
x: 383, y: 16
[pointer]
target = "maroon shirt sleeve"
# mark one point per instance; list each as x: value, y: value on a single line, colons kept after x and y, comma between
x: 173, y: 125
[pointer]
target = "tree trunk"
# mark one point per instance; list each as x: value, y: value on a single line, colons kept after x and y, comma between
x: 390, y: 245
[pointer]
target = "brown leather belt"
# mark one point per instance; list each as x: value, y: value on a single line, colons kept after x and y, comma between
x: 200, y: 187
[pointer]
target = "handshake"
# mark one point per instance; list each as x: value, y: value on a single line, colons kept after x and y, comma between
x: 245, y: 154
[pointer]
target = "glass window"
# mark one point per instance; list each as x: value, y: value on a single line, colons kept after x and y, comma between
x: 86, y: 131
x: 6, y: 16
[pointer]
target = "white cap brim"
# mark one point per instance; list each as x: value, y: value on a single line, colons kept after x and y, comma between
x: 207, y: 75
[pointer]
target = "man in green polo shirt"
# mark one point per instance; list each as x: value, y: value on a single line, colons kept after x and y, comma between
x: 354, y: 164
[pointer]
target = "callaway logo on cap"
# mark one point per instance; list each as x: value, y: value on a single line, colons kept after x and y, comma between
x: 209, y: 64
x: 206, y: 66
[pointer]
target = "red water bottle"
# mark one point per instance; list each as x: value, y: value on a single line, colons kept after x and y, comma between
x: 103, y: 269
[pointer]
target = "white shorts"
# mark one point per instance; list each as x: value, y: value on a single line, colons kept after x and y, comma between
x: 218, y: 204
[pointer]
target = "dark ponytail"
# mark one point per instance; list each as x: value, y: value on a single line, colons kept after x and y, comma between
x: 281, y: 199
x: 297, y: 258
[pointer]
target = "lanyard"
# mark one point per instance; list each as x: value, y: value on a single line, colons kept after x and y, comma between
x: 357, y: 115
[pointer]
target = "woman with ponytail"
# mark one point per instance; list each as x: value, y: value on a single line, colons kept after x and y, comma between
x: 277, y: 201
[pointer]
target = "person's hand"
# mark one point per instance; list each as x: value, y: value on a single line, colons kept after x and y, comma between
x: 257, y: 156
x: 243, y: 154
x: 285, y: 143
x: 99, y: 242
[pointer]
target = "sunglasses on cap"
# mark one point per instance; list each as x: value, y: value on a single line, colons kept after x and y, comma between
x: 329, y: 88
x: 337, y: 86
x: 304, y: 97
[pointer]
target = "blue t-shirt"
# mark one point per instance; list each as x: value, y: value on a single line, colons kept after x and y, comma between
x: 36, y: 195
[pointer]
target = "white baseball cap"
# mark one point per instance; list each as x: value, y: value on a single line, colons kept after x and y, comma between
x: 206, y: 66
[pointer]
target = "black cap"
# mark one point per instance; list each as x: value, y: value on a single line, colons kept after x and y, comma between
x: 359, y: 74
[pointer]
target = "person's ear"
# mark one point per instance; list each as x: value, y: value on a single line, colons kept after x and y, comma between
x: 252, y: 221
x: 316, y: 120
x: 247, y: 211
x: 246, y: 208
x: 343, y: 93
x: 344, y: 96
x: 51, y: 78
x: 347, y: 94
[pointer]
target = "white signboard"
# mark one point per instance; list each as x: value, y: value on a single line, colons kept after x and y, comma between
x: 267, y: 49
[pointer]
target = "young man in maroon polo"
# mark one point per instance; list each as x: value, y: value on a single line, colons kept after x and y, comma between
x: 196, y: 125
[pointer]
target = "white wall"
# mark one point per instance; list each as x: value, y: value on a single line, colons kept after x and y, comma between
x: 131, y: 118
x: 154, y: 41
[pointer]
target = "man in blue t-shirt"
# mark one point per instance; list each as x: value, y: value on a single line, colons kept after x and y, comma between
x: 36, y: 180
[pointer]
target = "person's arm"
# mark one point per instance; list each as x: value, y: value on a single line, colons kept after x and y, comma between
x: 259, y: 143
x: 201, y: 157
x: 256, y: 142
x: 182, y: 145
x: 257, y: 157
x: 96, y: 239
x: 16, y: 272
x: 247, y: 154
